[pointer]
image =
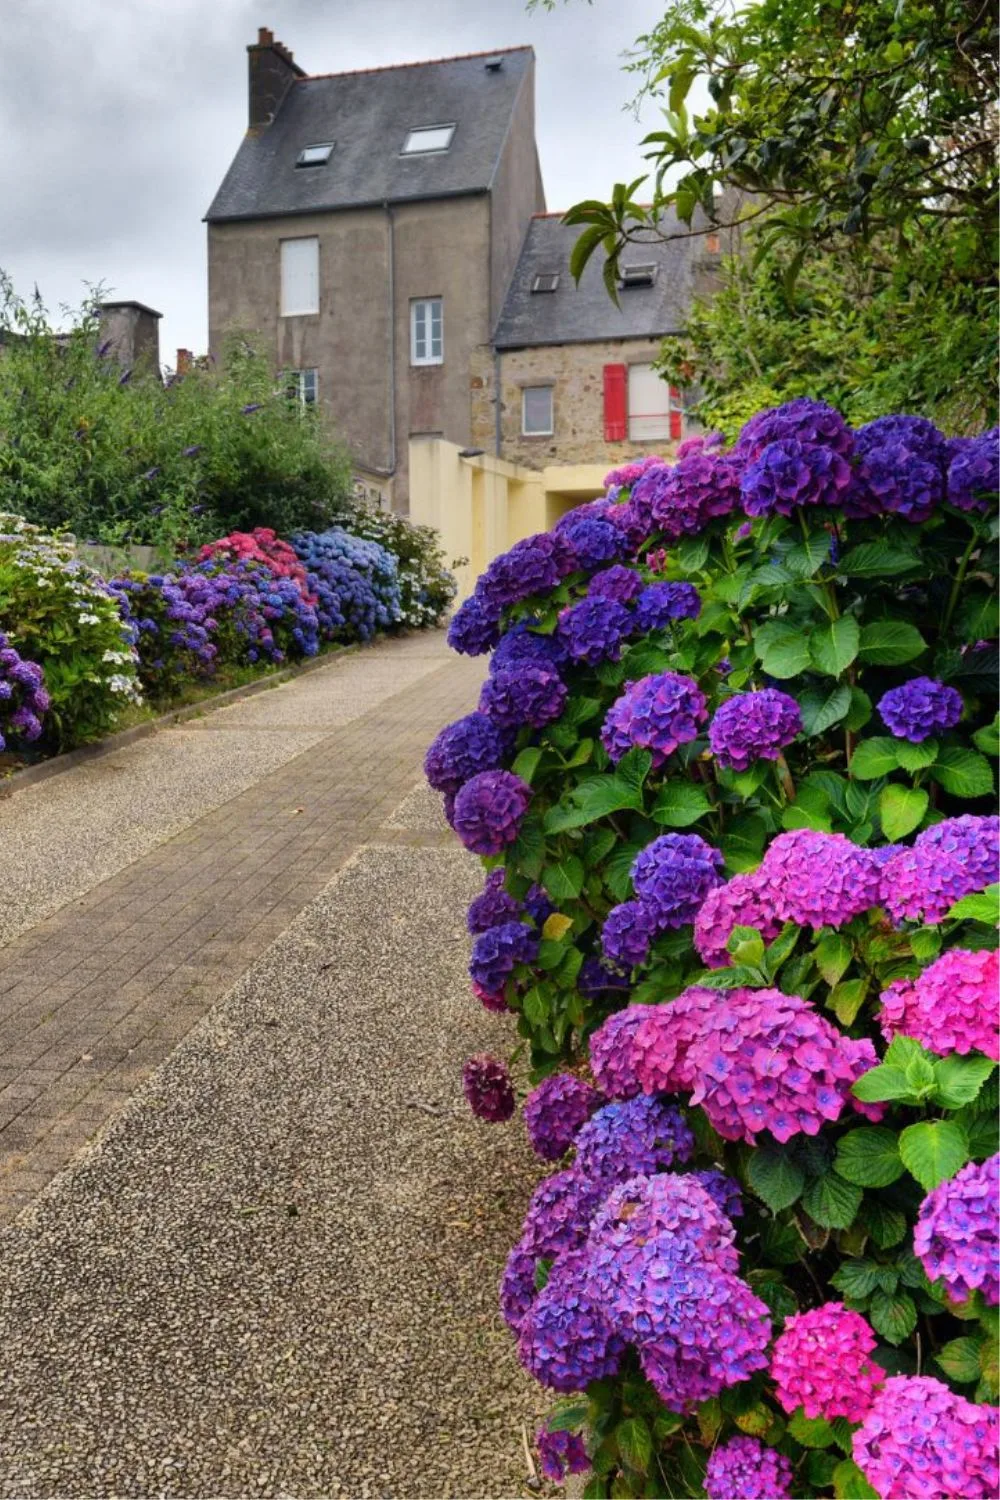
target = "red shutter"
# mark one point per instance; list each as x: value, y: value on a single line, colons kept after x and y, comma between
x: 676, y: 413
x: 614, y: 403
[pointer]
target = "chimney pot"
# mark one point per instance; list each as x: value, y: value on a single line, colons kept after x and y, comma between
x: 265, y: 38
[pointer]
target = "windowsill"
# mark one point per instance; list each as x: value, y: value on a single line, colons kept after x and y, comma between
x: 313, y: 314
x: 537, y: 437
x: 426, y: 364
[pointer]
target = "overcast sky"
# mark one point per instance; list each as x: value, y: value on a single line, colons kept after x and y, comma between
x: 118, y: 119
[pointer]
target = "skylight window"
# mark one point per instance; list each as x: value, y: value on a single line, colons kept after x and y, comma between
x: 643, y: 275
x: 315, y: 156
x: 425, y: 139
x: 546, y: 281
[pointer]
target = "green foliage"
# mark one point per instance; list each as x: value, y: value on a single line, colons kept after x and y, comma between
x: 116, y: 457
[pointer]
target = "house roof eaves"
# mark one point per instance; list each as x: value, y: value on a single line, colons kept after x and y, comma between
x: 340, y: 208
x: 615, y: 338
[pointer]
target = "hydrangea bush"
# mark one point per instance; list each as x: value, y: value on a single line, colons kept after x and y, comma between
x: 740, y: 730
x: 426, y: 586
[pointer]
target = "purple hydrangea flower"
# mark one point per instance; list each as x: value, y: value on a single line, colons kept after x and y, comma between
x: 627, y: 933
x: 894, y: 480
x: 522, y: 646
x: 561, y: 1453
x: 974, y: 470
x: 488, y: 811
x: 819, y: 879
x: 753, y: 726
x: 598, y: 978
x: 658, y: 713
x: 741, y: 902
x: 922, y: 1440
x: 555, y: 1111
x: 537, y: 905
x: 950, y: 1007
x: 632, y: 1137
x: 462, y: 750
x: 611, y: 1057
x: 618, y: 582
x: 535, y: 565
x: 626, y: 475
x: 517, y: 1286
x: 497, y: 952
x: 474, y: 628
x: 493, y: 905
x: 917, y: 434
x: 560, y: 1211
x: 487, y: 1086
x: 594, y: 630
x: 673, y: 875
x: 954, y: 858
x: 919, y: 708
x: 788, y: 474
x: 822, y: 1362
x: 595, y: 541
x: 812, y: 423
x: 743, y: 1469
x: 524, y: 695
x: 955, y: 1237
x: 565, y: 1340
x: 661, y: 603
x: 680, y: 500
x: 725, y: 1192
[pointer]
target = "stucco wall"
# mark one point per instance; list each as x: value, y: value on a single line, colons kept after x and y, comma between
x: 517, y: 193
x: 576, y: 373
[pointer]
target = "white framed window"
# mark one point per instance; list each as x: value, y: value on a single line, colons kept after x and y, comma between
x: 427, y: 331
x: 648, y: 405
x: 315, y: 156
x: 299, y: 277
x: 427, y: 138
x: 302, y: 386
x: 536, y: 411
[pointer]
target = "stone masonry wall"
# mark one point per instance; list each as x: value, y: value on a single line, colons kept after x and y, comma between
x: 576, y: 373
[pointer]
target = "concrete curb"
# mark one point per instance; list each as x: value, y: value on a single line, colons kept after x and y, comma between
x: 31, y: 775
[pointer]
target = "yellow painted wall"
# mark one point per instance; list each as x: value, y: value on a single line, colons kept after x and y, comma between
x: 483, y: 505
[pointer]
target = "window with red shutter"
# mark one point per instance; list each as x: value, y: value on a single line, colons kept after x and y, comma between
x: 614, y: 403
x: 676, y: 413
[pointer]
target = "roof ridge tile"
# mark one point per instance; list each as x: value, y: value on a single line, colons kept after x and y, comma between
x: 427, y: 62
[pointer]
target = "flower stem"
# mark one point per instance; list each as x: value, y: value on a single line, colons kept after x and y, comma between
x: 959, y: 580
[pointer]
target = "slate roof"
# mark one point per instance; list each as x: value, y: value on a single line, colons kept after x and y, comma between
x: 584, y: 313
x: 368, y: 115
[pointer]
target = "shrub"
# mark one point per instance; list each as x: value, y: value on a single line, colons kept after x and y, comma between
x: 24, y: 700
x: 354, y: 581
x: 763, y: 825
x: 426, y: 587
x: 61, y: 615
x: 259, y: 546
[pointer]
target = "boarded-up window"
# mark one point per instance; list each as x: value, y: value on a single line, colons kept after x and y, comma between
x: 648, y: 405
x: 299, y: 277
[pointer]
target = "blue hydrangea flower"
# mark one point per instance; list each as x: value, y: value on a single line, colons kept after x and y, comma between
x: 475, y: 627
x: 565, y: 1339
x: 673, y: 875
x: 919, y: 708
x: 974, y: 470
x: 463, y: 749
x: 523, y: 695
x: 632, y: 1137
x: 789, y: 474
x: 493, y: 905
x: 497, y: 952
x: 661, y: 603
x: 618, y: 582
x: 594, y: 630
x: 658, y: 713
x: 595, y: 541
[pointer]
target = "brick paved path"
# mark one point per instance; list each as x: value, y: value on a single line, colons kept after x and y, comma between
x: 99, y: 992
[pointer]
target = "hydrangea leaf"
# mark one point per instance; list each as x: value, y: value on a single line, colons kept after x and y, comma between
x: 877, y: 560
x: 820, y: 1467
x: 850, y: 1484
x: 894, y: 1315
x: 881, y: 1084
x: 835, y: 646
x: 806, y: 557
x: 886, y: 1225
x: 869, y: 1157
x: 811, y: 1432
x: 959, y: 1359
x: 563, y: 878
x: 831, y: 1202
x: 857, y: 1279
x: 775, y: 1178
x: 833, y: 954
x: 874, y: 758
x: 847, y: 998
x: 679, y: 804
x: 933, y: 1151
x: 900, y: 810
x: 963, y: 773
x: 860, y: 710
x: 635, y: 1443
x: 983, y: 907
x: 592, y: 799
x: 824, y: 707
x: 988, y: 738
x: 709, y: 1417
x: 526, y: 763
x: 557, y: 924
x: 795, y: 816
x: 782, y: 647
x: 916, y: 757
x: 890, y: 643
x: 958, y: 1080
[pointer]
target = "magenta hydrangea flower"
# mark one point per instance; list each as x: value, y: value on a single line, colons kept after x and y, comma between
x: 661, y: 603
x: 493, y: 905
x: 474, y: 628
x: 488, y: 1088
x: 555, y: 1110
x: 743, y: 1469
x: 954, y: 858
x: 950, y: 1007
x: 494, y: 1000
x: 956, y: 1235
x: 594, y: 630
x: 753, y: 726
x: 681, y: 500
x: 463, y: 749
x: 919, y: 708
x: 517, y: 1286
x: 522, y: 646
x: 812, y: 423
x: 741, y: 902
x: 566, y: 1340
x: 892, y: 479
x: 497, y: 952
x: 821, y: 1362
x: 560, y: 1211
x: 819, y: 879
x: 768, y: 1061
x: 920, y: 1441
x: 654, y: 1052
x: 523, y: 695
x: 974, y: 470
x: 626, y: 475
x: 632, y: 1137
x: 673, y: 875
x: 561, y: 1453
x: 627, y: 933
x: 535, y: 565
x: 658, y: 713
x: 488, y: 811
x: 595, y: 541
x: 611, y: 1059
x: 620, y: 583
x: 789, y: 473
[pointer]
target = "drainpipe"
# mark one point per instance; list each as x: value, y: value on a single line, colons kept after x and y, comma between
x: 392, y: 337
x: 498, y: 438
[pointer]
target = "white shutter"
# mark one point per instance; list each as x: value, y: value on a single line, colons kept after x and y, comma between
x: 648, y: 405
x: 299, y: 277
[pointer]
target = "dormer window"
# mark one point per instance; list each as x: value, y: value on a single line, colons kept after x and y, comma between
x: 424, y: 140
x: 315, y: 156
x: 631, y: 276
x: 546, y: 281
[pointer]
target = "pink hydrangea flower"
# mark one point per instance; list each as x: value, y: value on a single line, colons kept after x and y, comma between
x: 819, y: 879
x: 950, y: 1007
x: 741, y: 902
x: 920, y: 1441
x: 955, y: 1236
x: 821, y: 1362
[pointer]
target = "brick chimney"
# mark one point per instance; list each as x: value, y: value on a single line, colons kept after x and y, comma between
x: 273, y: 70
x: 185, y: 359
